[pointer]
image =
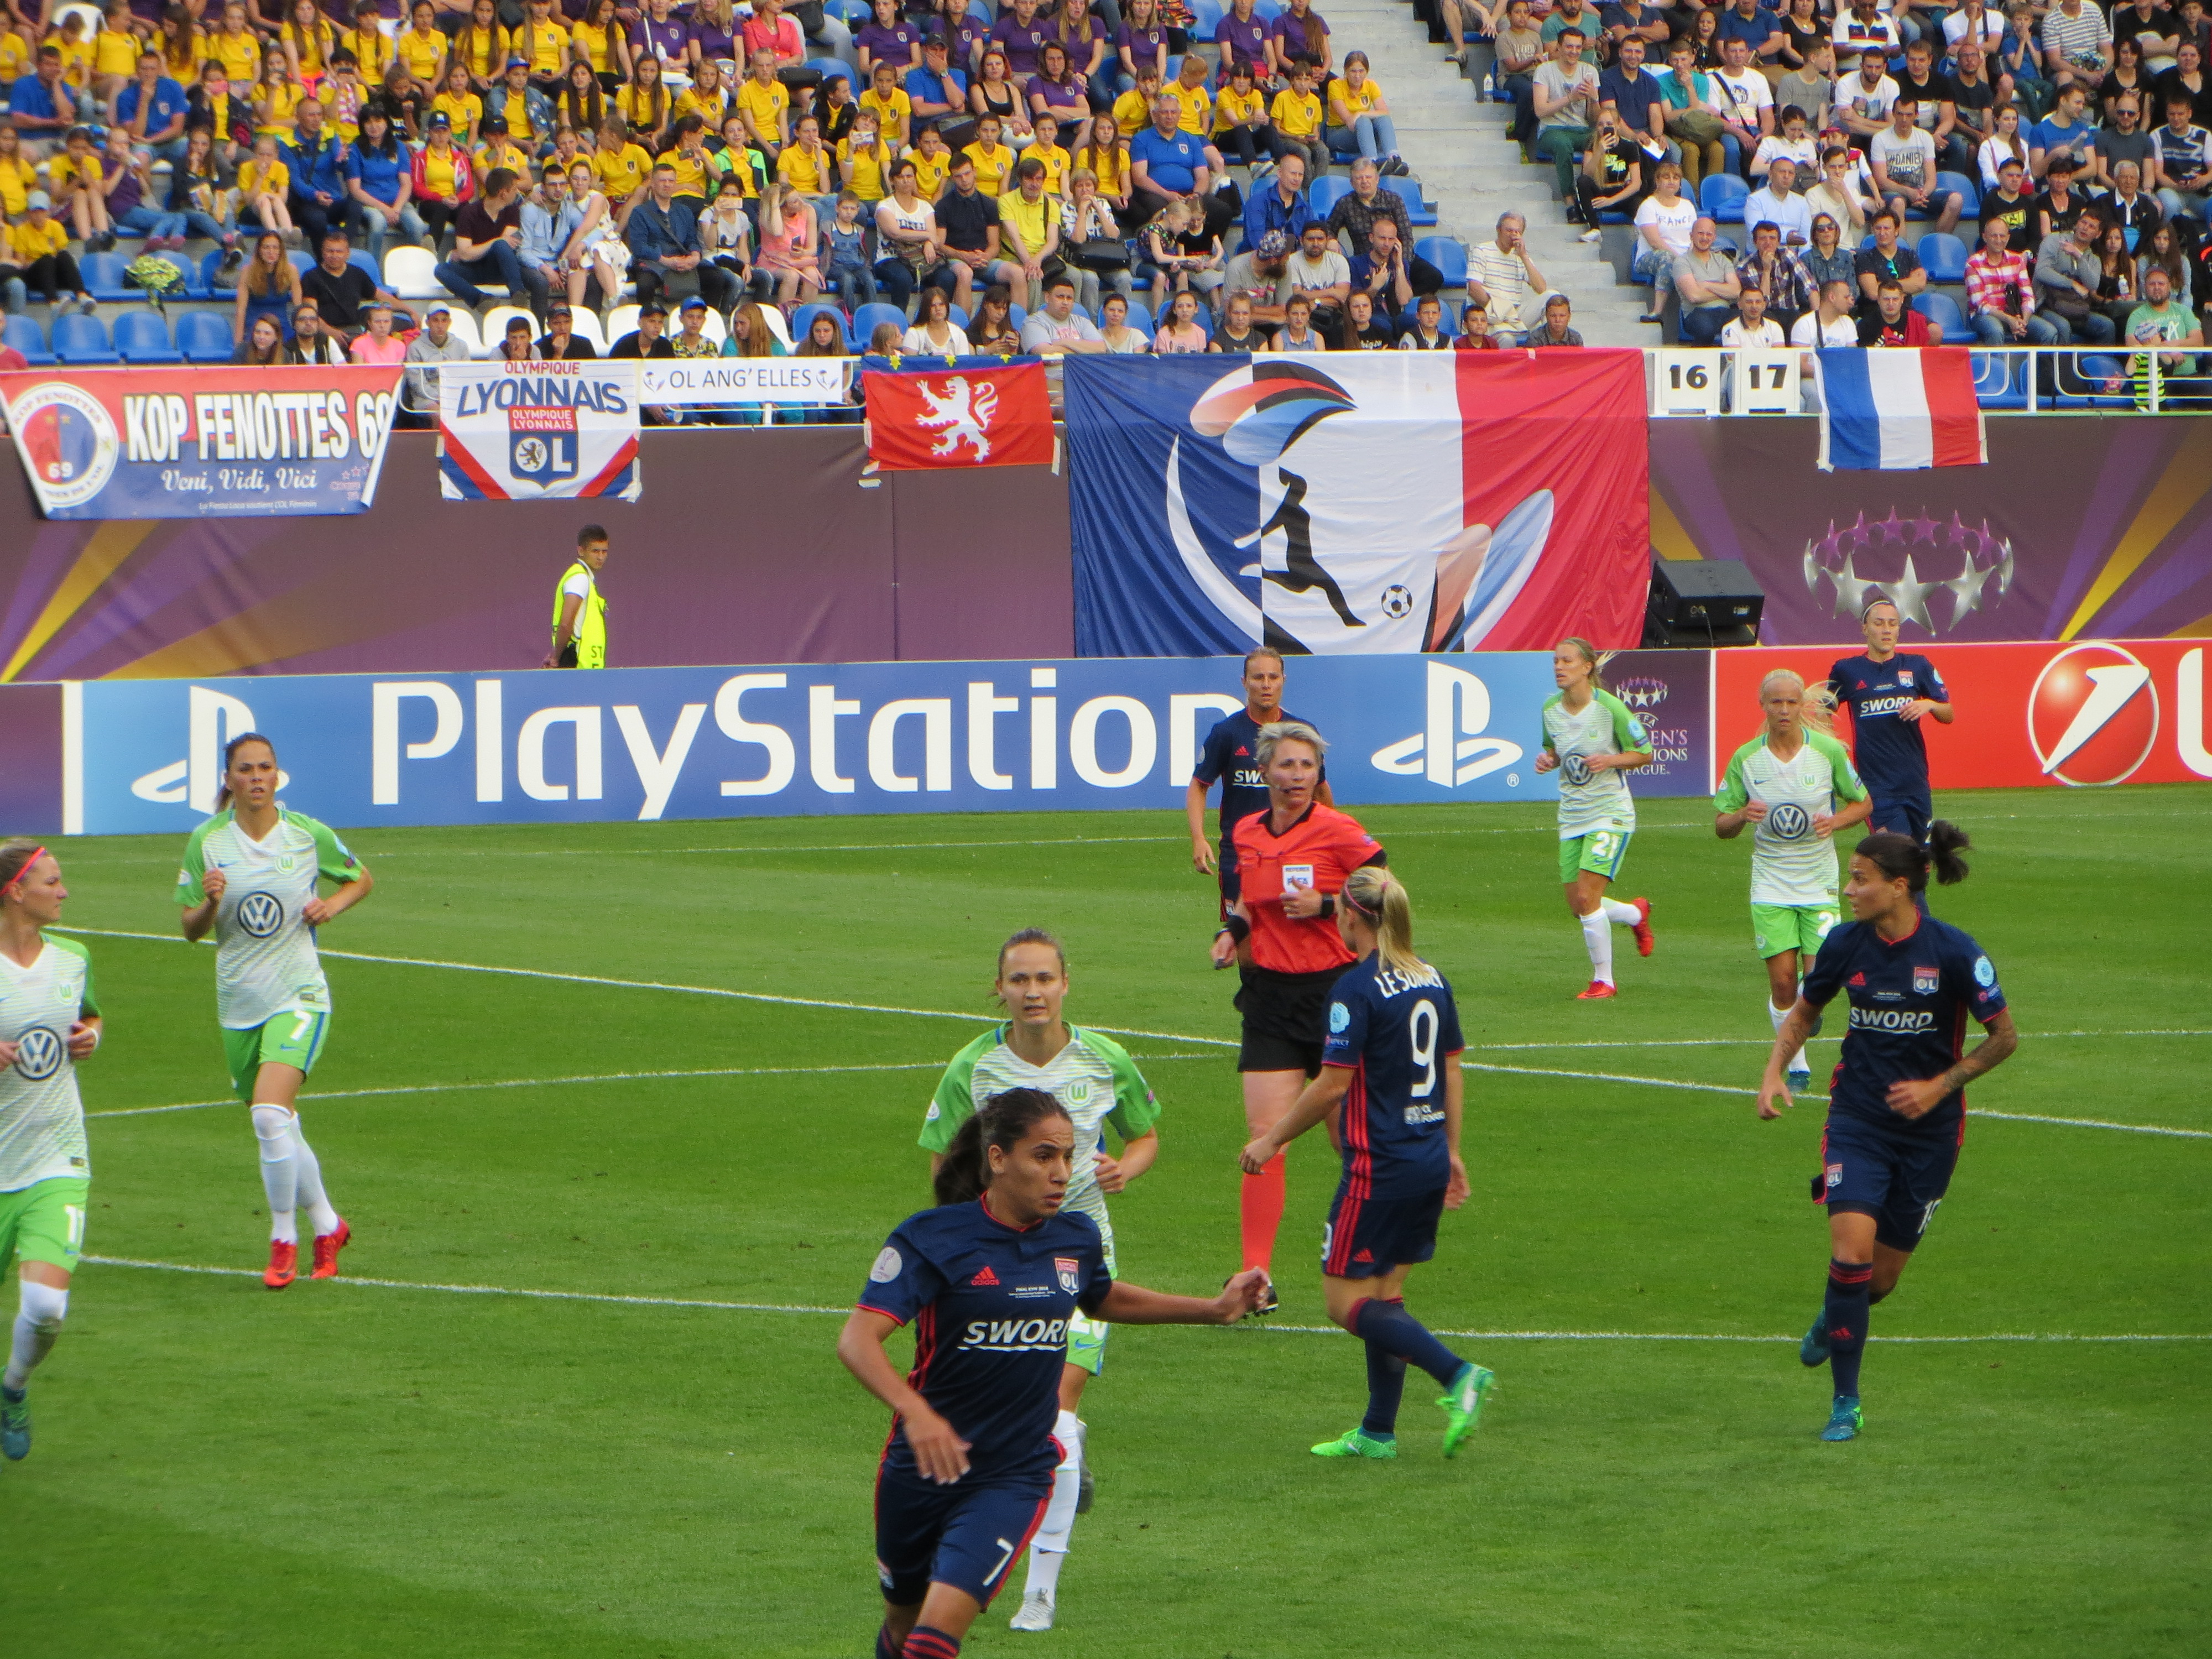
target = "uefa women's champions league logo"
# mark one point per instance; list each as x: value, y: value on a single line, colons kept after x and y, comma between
x: 1362, y: 543
x: 1983, y: 557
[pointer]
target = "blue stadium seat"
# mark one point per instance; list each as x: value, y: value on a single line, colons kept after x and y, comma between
x: 361, y: 262
x: 206, y: 278
x: 1140, y: 319
x: 204, y: 336
x: 1205, y: 15
x: 831, y: 69
x: 1325, y: 193
x: 2000, y: 379
x: 869, y: 318
x: 1720, y: 198
x: 25, y: 335
x: 79, y: 339
x: 1447, y: 254
x: 103, y: 278
x: 1943, y: 256
x: 802, y: 320
x: 2081, y: 380
x: 1942, y: 310
x: 1017, y: 315
x: 140, y: 336
x: 1174, y: 67
x: 1418, y: 211
x: 185, y: 268
x: 1269, y: 11
x: 1966, y: 187
x: 302, y: 261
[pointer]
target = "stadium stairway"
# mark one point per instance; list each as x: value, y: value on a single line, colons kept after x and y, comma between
x: 1457, y: 147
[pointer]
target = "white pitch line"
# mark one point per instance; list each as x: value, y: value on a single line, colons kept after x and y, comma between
x: 2097, y: 1123
x: 616, y: 1300
x: 1768, y: 1042
x: 558, y: 1082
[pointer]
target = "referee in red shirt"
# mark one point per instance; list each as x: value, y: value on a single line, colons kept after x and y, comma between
x: 1291, y: 861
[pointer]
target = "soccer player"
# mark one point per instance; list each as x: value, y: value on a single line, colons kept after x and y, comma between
x: 991, y: 1278
x: 1590, y: 738
x: 1096, y: 1083
x: 1226, y: 759
x: 1290, y: 862
x: 1786, y: 783
x: 250, y: 874
x: 49, y: 1020
x: 1392, y: 1063
x: 1889, y: 692
x: 1897, y: 1108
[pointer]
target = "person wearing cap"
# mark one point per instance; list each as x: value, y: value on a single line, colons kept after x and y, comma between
x: 317, y: 161
x: 938, y: 92
x: 498, y: 150
x: 38, y: 248
x: 487, y: 246
x: 443, y: 178
x: 580, y: 610
x: 560, y: 343
x: 527, y: 111
x: 437, y: 343
x: 650, y: 338
x: 1262, y: 274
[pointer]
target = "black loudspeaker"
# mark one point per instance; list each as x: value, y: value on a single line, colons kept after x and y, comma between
x: 1702, y: 603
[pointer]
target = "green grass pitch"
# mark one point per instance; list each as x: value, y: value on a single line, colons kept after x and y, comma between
x: 350, y: 1469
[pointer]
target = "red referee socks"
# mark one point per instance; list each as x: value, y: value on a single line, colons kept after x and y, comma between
x: 1261, y: 1212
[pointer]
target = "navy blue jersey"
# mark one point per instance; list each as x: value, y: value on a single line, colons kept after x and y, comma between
x: 1230, y: 759
x: 1396, y: 1033
x: 990, y: 1304
x: 1910, y: 999
x: 1891, y: 755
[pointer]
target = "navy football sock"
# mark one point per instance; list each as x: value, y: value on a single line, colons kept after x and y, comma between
x: 924, y: 1642
x: 1844, y: 1315
x: 1387, y: 1326
x: 1386, y: 1386
x: 886, y: 1646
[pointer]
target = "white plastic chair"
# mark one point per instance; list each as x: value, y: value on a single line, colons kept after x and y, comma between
x: 411, y: 273
x: 464, y: 328
x: 494, y: 326
x: 777, y: 325
x: 586, y: 323
x: 715, y: 328
x: 622, y: 321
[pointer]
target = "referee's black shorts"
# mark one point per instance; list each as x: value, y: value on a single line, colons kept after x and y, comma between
x: 1286, y: 1019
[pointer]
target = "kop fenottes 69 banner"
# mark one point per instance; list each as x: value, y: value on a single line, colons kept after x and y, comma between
x: 191, y: 443
x: 529, y: 432
x: 1386, y: 503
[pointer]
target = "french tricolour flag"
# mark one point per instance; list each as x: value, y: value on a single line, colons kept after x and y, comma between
x: 1893, y: 410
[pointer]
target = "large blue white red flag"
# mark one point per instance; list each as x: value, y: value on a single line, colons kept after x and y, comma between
x: 1386, y: 503
x: 529, y: 432
x: 1896, y: 410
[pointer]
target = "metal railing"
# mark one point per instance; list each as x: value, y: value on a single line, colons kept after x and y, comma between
x: 1706, y: 382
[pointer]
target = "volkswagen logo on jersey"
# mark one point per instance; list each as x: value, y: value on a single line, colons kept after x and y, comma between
x: 1789, y: 821
x: 2092, y: 715
x: 1573, y: 768
x: 260, y: 913
x: 39, y: 1053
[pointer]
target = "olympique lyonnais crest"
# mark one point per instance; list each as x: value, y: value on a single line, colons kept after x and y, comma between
x: 1925, y: 980
x: 996, y: 416
x: 531, y: 431
x: 542, y: 444
x: 1070, y: 1272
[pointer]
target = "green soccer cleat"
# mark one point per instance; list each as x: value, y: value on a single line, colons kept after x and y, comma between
x: 1463, y: 1405
x: 1813, y: 1351
x: 1846, y: 1420
x: 1356, y: 1443
x: 15, y: 1424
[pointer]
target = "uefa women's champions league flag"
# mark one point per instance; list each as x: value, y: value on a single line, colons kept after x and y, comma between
x: 1392, y: 502
x: 530, y: 432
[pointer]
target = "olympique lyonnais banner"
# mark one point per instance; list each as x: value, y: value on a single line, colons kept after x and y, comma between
x: 2087, y: 714
x: 998, y: 417
x: 530, y: 432
x: 145, y: 756
x: 192, y: 443
x: 1379, y: 503
x: 687, y: 382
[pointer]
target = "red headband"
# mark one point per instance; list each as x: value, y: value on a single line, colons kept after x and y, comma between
x: 16, y: 880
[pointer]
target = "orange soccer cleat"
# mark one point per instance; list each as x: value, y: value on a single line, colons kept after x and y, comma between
x: 1598, y: 990
x: 283, y: 1265
x: 327, y: 1246
x: 1642, y: 926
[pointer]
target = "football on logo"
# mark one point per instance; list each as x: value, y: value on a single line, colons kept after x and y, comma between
x: 2092, y: 715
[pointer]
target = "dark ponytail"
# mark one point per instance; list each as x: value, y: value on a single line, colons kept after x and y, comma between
x: 1005, y: 1121
x: 229, y: 752
x: 1900, y: 858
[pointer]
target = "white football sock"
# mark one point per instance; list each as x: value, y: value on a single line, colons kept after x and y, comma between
x: 310, y: 1194
x: 1597, y: 939
x: 1779, y: 1016
x: 1627, y: 915
x: 36, y: 1326
x: 279, y: 1171
x: 1048, y: 1549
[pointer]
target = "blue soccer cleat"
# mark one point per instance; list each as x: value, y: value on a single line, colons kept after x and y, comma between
x: 15, y: 1424
x: 1813, y: 1351
x: 1846, y: 1420
x: 1463, y: 1404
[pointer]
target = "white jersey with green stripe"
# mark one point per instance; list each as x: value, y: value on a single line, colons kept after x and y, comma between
x: 1593, y: 800
x: 265, y: 960
x: 1790, y: 864
x: 1092, y: 1077
x: 41, y: 1119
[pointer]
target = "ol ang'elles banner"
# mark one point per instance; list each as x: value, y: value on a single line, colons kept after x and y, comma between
x: 1385, y: 503
x: 690, y: 382
x: 530, y: 432
x: 191, y: 443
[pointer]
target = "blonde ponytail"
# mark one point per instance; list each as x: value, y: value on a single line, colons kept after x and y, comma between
x: 1378, y: 898
x: 1589, y: 653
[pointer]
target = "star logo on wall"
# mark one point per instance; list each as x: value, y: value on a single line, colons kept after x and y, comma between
x: 1984, y: 558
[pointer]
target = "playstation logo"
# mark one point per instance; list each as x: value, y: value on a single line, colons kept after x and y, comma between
x: 1450, y: 749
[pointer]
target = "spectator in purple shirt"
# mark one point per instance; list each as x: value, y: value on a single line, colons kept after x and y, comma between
x: 714, y: 32
x: 1299, y: 32
x: 662, y: 34
x: 1142, y: 39
x: 888, y: 35
x: 1243, y: 39
x: 1023, y: 37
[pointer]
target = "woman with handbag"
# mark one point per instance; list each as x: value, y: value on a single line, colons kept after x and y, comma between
x: 1090, y: 242
x: 906, y: 234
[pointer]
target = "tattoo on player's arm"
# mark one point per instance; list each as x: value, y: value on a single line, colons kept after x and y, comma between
x: 1989, y: 1053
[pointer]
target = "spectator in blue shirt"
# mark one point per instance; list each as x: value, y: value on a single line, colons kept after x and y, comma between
x: 40, y: 106
x: 381, y: 182
x: 317, y: 160
x: 1637, y: 98
x: 1749, y: 22
x: 151, y: 109
x: 1165, y: 162
x: 1282, y: 206
x: 663, y: 236
x: 938, y: 89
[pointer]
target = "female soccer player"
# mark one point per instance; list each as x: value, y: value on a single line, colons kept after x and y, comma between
x: 1392, y: 1062
x: 1889, y: 693
x: 1226, y: 759
x: 1290, y: 862
x: 49, y: 1020
x: 991, y: 1279
x: 1897, y: 1110
x: 1590, y: 738
x: 1096, y: 1083
x: 1787, y: 782
x: 250, y: 874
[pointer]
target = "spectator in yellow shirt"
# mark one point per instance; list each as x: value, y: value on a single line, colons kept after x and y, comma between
x: 459, y: 104
x: 114, y: 53
x: 76, y: 51
x: 373, y: 50
x: 19, y: 172
x: 77, y: 173
x: 894, y: 109
x: 932, y: 162
x: 1133, y: 110
x: 620, y: 168
x: 736, y: 160
x: 765, y: 102
x: 263, y: 184
x: 806, y: 165
x: 1045, y: 146
x: 599, y: 41
x: 864, y: 160
x: 706, y: 97
x: 38, y: 247
x: 500, y: 151
x: 481, y: 44
x: 543, y: 45
x: 276, y: 98
x: 1242, y: 130
x: 1297, y: 112
x: 309, y: 40
x: 688, y: 158
x: 994, y: 162
x: 422, y: 47
x: 1188, y: 90
x: 16, y: 52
